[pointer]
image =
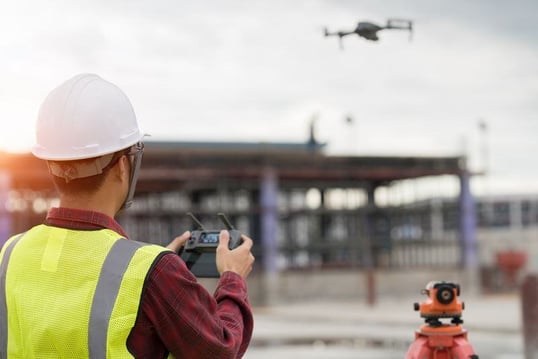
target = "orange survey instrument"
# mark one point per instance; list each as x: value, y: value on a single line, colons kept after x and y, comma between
x: 436, y: 339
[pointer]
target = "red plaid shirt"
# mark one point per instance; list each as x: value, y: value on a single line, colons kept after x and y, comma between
x: 177, y: 314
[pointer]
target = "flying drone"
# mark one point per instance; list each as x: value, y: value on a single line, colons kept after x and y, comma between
x: 369, y: 30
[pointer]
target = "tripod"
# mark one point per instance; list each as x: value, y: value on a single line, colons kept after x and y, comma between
x: 435, y: 339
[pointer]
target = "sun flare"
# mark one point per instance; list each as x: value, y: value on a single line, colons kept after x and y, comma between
x: 17, y: 134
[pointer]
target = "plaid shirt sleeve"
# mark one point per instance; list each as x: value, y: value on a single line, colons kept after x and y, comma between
x: 178, y: 315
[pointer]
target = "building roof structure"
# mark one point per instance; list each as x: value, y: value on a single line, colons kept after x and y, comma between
x: 198, y: 165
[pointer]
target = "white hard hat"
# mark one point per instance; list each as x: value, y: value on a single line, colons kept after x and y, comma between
x: 85, y: 117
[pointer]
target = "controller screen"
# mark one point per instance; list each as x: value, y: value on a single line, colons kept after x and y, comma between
x: 209, y: 238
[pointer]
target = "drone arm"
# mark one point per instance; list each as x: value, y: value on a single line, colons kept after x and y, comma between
x: 339, y: 33
x: 345, y: 33
x: 390, y: 26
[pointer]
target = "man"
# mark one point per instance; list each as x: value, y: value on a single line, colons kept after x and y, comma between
x: 75, y: 286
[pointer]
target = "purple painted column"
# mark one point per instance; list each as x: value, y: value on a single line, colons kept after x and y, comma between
x: 269, y: 219
x: 468, y: 223
x: 529, y: 297
x: 5, y: 217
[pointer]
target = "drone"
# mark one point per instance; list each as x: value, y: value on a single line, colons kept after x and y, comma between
x: 369, y: 30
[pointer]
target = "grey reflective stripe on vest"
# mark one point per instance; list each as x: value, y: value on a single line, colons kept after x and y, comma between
x: 3, y: 304
x: 106, y: 292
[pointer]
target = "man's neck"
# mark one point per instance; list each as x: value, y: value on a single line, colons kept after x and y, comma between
x: 90, y: 204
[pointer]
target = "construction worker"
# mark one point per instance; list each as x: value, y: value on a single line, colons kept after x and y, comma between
x: 76, y: 286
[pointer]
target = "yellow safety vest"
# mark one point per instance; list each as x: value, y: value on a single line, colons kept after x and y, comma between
x: 70, y: 294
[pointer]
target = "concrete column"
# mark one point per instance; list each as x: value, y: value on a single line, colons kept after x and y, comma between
x: 436, y: 219
x: 5, y: 216
x: 367, y: 247
x: 324, y: 220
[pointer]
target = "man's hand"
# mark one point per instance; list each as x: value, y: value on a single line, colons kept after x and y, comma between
x: 238, y: 260
x: 179, y: 241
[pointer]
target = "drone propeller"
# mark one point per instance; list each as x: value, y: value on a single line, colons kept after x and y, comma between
x: 340, y: 35
x: 404, y: 24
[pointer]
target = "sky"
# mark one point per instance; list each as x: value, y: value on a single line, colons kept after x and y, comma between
x: 261, y: 71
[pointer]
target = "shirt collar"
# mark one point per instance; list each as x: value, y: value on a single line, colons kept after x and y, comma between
x: 80, y: 219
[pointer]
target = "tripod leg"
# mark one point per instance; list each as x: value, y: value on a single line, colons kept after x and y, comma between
x: 463, y: 349
x: 419, y: 349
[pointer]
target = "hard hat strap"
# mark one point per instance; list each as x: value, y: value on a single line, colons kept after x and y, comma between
x: 70, y: 170
x: 136, y: 151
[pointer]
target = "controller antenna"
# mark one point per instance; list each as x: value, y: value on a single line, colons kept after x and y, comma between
x: 226, y: 222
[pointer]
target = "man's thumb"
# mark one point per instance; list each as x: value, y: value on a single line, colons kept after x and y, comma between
x: 224, y: 238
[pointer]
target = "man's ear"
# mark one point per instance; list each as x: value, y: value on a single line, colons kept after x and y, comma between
x: 122, y: 167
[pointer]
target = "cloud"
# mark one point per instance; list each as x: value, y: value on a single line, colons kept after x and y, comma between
x: 258, y: 70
